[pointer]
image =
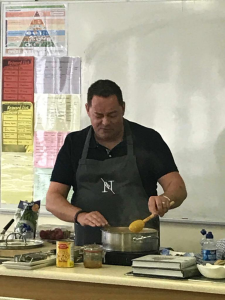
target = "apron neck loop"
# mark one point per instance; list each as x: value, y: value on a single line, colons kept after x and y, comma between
x: 127, y: 135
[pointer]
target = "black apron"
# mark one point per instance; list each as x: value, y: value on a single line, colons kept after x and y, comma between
x: 114, y: 188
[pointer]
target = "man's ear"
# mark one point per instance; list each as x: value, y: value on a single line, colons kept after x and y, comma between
x: 123, y: 107
x: 87, y: 108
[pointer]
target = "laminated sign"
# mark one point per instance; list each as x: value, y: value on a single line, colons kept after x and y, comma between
x: 37, y: 30
x: 18, y: 79
x: 17, y: 127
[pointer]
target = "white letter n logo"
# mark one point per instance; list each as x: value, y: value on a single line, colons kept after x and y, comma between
x: 108, y: 186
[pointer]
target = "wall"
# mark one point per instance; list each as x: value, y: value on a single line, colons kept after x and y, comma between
x: 187, y: 90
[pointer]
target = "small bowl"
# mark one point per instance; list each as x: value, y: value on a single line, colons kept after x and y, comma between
x: 212, y: 271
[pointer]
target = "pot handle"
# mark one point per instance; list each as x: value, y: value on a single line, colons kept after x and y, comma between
x: 144, y: 237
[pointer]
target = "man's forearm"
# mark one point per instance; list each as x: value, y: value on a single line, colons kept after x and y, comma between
x: 60, y: 207
x: 176, y: 192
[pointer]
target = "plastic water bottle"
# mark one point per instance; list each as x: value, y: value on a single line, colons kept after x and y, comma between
x: 203, y: 232
x: 209, y: 249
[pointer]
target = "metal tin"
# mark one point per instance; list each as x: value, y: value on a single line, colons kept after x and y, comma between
x: 65, y: 254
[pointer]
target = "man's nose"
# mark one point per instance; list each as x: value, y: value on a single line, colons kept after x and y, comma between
x: 105, y: 121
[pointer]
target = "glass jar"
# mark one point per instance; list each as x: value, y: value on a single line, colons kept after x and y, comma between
x: 92, y: 256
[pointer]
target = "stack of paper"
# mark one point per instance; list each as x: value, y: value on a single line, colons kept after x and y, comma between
x: 163, y: 265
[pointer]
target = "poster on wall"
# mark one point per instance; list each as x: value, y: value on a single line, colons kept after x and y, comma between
x: 46, y: 147
x: 17, y: 126
x: 57, y: 75
x: 38, y: 30
x: 16, y: 177
x: 18, y: 79
x: 57, y: 112
x: 41, y: 185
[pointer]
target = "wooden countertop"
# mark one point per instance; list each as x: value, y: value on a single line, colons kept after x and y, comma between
x: 114, y: 275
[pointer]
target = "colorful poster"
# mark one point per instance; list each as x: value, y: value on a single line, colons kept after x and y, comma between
x: 16, y: 177
x: 57, y: 75
x: 46, y: 147
x: 57, y: 112
x: 18, y: 79
x: 41, y: 185
x: 33, y: 29
x: 17, y: 127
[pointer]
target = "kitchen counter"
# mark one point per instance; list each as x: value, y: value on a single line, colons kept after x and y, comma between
x: 109, y: 282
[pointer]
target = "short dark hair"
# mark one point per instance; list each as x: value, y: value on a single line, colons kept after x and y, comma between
x: 104, y: 88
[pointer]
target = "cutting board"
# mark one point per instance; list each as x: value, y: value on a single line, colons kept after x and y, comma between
x: 10, y: 253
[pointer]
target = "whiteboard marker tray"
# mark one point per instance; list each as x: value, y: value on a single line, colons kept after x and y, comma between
x: 30, y: 265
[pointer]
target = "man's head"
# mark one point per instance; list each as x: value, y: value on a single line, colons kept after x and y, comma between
x: 105, y: 107
x: 104, y: 88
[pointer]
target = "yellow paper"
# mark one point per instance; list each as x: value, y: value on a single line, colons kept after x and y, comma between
x: 17, y: 126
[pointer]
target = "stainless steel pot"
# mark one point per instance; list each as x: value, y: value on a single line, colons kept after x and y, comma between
x: 121, y: 239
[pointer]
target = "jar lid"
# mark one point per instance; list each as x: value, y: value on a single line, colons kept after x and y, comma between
x: 93, y: 248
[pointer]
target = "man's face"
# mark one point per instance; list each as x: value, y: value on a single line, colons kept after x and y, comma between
x: 106, y: 117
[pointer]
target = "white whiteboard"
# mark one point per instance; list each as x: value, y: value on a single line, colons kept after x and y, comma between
x: 169, y: 59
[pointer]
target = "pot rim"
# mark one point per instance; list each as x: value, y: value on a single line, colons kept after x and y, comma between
x: 125, y: 230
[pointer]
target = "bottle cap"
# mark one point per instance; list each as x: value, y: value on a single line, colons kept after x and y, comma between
x: 203, y: 231
x: 209, y: 235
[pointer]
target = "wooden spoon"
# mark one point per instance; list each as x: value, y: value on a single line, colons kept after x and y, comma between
x: 138, y: 225
x: 219, y: 262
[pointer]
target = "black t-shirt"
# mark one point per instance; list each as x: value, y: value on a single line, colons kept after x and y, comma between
x: 153, y: 156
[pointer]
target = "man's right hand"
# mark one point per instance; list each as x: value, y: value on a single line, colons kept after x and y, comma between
x: 94, y: 218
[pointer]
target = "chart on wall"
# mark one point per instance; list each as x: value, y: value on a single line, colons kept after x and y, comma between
x: 35, y: 125
x: 35, y: 30
x: 18, y: 79
x: 16, y: 177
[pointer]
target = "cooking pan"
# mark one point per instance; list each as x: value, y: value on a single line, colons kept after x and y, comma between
x: 121, y: 239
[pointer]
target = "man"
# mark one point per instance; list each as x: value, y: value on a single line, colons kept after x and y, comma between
x: 113, y: 166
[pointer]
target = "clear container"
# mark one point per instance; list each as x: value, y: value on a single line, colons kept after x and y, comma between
x: 92, y: 256
x: 209, y: 249
x: 53, y: 232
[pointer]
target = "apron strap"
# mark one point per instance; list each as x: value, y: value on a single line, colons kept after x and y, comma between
x: 86, y: 145
x: 128, y: 137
